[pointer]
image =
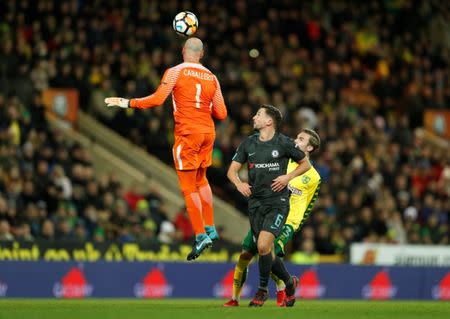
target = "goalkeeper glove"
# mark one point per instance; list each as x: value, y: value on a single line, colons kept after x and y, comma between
x: 117, y: 101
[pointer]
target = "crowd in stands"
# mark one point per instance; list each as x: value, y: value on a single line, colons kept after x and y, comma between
x: 49, y: 189
x: 361, y: 75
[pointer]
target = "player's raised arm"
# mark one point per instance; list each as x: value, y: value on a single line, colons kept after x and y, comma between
x: 164, y: 89
x: 219, y: 110
x: 162, y: 92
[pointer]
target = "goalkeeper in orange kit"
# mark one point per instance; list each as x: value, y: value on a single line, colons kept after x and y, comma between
x: 196, y: 98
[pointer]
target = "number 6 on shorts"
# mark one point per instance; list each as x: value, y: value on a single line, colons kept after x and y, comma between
x: 278, y: 220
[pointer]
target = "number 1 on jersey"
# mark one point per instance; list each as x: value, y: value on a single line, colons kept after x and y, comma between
x: 198, y: 86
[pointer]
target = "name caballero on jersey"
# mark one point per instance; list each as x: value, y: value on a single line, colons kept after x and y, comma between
x: 200, y: 75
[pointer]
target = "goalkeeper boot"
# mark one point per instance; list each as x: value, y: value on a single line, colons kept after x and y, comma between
x: 212, y: 232
x: 202, y: 241
x: 259, y: 299
x: 290, y: 291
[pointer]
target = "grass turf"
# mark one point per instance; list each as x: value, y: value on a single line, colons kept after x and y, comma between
x: 212, y: 309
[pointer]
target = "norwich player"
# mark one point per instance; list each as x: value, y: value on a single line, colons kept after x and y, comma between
x: 304, y: 192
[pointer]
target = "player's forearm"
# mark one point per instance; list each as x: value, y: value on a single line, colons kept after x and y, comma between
x: 155, y: 99
x: 147, y: 102
x: 233, y: 176
x: 220, y: 113
x: 219, y: 109
x: 302, y: 168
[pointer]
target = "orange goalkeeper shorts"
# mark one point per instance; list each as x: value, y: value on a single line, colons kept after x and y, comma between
x: 193, y: 151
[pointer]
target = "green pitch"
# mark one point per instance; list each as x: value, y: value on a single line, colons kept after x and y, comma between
x: 212, y: 309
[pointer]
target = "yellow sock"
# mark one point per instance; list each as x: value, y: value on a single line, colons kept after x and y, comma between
x: 240, y: 275
x: 280, y: 283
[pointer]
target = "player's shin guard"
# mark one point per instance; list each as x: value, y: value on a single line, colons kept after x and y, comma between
x: 240, y: 276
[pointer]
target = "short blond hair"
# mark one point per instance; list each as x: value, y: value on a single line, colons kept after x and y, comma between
x: 314, y: 138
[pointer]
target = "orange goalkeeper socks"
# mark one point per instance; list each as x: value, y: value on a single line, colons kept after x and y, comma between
x: 207, y: 205
x: 194, y: 209
x: 187, y: 181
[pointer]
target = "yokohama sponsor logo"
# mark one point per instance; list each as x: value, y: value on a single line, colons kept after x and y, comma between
x: 267, y: 165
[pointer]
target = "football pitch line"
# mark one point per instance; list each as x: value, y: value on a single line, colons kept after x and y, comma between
x: 212, y: 309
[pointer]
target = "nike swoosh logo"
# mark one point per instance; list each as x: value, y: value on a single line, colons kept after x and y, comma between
x: 198, y: 247
x: 251, y: 154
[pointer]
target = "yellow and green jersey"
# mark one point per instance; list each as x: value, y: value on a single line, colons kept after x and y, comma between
x: 304, y: 193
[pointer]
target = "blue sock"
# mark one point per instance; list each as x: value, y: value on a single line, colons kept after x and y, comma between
x: 210, y: 229
x: 200, y: 236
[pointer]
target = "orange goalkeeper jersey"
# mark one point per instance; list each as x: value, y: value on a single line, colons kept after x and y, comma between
x: 196, y: 98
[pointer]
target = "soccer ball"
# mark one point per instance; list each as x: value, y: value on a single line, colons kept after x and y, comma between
x: 185, y: 23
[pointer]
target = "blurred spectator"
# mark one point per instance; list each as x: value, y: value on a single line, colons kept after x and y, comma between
x: 62, y: 181
x: 48, y: 230
x: 167, y: 233
x: 307, y: 255
x: 183, y: 225
x: 5, y: 231
x: 23, y: 233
